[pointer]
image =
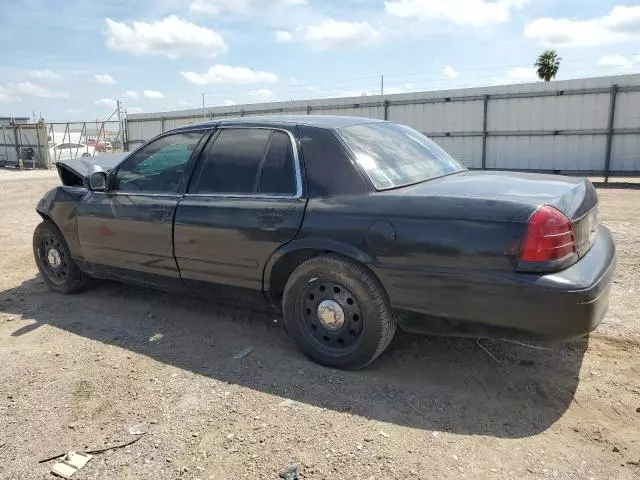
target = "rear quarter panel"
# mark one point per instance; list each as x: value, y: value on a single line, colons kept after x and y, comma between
x: 414, y: 245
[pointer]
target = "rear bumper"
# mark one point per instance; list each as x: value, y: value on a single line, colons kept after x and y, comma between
x: 560, y: 305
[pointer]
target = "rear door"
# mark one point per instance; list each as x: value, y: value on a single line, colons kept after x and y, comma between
x: 244, y: 201
x: 126, y: 232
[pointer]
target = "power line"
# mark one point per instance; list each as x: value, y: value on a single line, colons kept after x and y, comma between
x: 412, y: 76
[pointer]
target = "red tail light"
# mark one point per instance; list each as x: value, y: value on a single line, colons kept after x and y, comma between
x: 549, y: 236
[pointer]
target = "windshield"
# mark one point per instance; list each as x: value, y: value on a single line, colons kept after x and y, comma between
x: 394, y: 155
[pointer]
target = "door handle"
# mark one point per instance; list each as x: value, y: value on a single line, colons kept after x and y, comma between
x: 158, y: 213
x: 271, y: 218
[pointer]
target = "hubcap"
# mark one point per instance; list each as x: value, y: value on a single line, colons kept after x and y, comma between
x: 53, y: 257
x: 52, y: 261
x: 330, y: 314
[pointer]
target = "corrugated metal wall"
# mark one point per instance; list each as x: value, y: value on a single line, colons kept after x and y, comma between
x: 577, y: 126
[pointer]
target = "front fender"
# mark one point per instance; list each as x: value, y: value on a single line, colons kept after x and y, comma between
x: 312, y: 243
x: 60, y: 205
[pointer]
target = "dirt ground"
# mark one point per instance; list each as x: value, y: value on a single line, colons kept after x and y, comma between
x: 77, y: 371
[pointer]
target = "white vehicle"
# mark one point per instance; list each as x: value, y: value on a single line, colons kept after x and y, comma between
x: 70, y: 150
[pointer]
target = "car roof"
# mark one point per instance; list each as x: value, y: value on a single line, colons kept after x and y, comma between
x: 322, y: 121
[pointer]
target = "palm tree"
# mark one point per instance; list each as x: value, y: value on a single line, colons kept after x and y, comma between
x: 548, y: 64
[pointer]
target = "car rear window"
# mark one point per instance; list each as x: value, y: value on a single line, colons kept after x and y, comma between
x: 395, y: 155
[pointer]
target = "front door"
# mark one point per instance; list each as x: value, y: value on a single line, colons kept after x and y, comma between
x: 127, y: 231
x: 245, y: 200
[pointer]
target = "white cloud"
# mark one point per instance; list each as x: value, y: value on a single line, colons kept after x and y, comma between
x: 132, y: 94
x: 476, y: 13
x: 227, y: 74
x: 283, y: 36
x: 5, y: 96
x: 332, y: 33
x: 518, y: 75
x: 106, y: 102
x: 622, y: 24
x: 153, y: 94
x: 313, y: 89
x: 213, y: 7
x: 637, y: 59
x: 262, y: 92
x: 450, y: 72
x: 228, y: 103
x: 393, y: 90
x: 134, y: 110
x: 104, y: 79
x: 35, y: 90
x: 615, y: 62
x: 170, y: 36
x: 44, y: 74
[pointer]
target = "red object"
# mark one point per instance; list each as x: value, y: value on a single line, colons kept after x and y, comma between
x: 549, y: 236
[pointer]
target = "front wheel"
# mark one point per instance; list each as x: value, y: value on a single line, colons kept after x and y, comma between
x: 337, y: 312
x: 54, y: 261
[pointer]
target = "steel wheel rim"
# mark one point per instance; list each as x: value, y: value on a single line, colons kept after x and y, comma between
x: 336, y: 331
x: 53, y: 260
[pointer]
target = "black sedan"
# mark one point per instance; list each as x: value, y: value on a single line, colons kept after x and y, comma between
x: 350, y: 226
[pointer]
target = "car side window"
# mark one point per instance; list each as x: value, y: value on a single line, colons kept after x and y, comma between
x: 277, y: 175
x: 328, y: 167
x: 247, y: 161
x: 158, y: 166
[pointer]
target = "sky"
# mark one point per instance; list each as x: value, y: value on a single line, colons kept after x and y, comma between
x: 72, y: 60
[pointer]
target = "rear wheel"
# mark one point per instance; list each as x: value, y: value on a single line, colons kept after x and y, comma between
x: 337, y: 312
x: 53, y: 259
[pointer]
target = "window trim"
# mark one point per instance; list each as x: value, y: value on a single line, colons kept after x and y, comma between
x: 296, y: 166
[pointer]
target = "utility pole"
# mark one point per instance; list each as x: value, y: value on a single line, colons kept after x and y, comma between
x: 382, y: 96
x: 204, y: 112
x: 119, y: 121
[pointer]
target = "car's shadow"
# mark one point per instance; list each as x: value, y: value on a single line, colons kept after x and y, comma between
x: 452, y: 385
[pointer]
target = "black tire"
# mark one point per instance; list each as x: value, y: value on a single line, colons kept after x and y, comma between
x: 66, y: 277
x: 367, y: 325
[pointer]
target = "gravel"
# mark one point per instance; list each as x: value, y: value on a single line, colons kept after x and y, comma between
x: 79, y: 371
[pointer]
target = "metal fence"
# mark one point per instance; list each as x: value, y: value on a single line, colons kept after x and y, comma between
x: 91, y: 138
x: 585, y: 126
x: 41, y: 145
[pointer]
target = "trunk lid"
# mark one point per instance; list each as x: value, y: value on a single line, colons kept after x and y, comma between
x: 575, y: 197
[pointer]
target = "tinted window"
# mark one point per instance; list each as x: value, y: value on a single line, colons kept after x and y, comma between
x: 395, y: 155
x: 278, y: 175
x: 246, y: 161
x: 329, y: 169
x: 158, y: 166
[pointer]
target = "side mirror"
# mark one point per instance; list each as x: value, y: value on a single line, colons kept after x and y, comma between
x: 98, y: 182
